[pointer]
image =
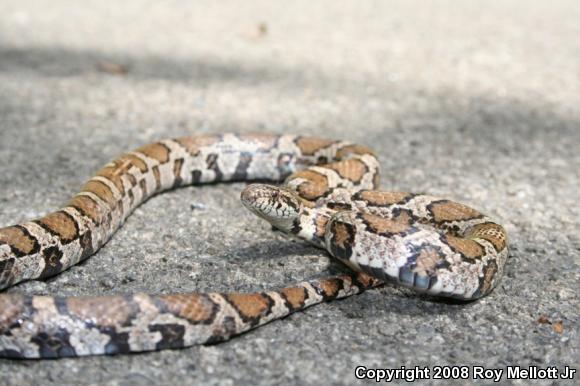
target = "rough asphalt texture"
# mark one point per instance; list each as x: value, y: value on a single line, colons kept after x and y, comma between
x: 475, y: 101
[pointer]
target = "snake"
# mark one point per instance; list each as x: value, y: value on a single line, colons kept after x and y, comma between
x: 329, y: 198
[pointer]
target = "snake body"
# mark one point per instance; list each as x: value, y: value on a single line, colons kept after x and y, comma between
x: 328, y: 199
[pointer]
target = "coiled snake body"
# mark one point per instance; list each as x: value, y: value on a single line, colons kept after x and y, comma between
x: 328, y: 199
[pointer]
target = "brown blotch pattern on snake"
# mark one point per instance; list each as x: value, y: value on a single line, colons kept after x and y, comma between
x: 61, y: 224
x: 466, y: 247
x: 444, y: 211
x: 251, y: 306
x: 18, y: 238
x: 351, y: 169
x: 384, y: 225
x: 157, y: 151
x: 382, y: 198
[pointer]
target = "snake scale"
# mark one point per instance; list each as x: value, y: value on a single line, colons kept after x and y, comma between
x: 328, y: 198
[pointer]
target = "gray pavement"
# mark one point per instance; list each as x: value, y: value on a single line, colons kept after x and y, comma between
x: 476, y: 101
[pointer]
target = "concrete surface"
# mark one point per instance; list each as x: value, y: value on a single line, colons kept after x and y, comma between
x: 477, y: 101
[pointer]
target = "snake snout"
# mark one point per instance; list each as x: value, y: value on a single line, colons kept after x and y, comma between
x: 271, y: 202
x: 252, y: 194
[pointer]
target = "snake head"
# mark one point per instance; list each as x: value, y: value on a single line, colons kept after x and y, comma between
x: 278, y: 206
